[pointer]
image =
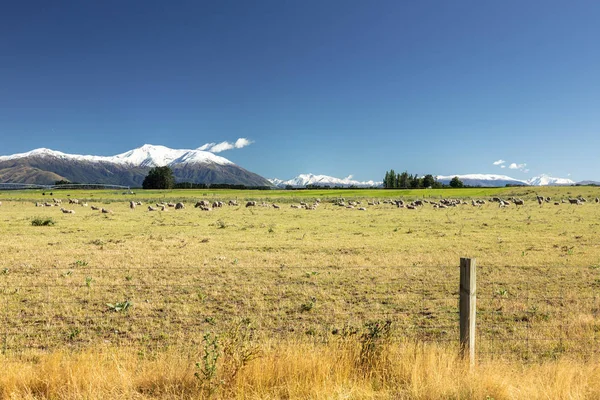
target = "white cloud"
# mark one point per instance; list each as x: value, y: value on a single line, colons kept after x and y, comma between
x: 499, y: 162
x: 517, y: 166
x: 503, y: 166
x: 219, y: 147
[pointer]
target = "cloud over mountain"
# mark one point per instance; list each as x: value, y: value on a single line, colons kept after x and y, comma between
x: 223, y: 146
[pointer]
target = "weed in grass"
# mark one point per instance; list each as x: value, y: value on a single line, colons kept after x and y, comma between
x: 309, y: 305
x: 88, y: 281
x: 207, y: 368
x: 375, y: 337
x: 42, y: 221
x: 80, y: 263
x: 119, y: 307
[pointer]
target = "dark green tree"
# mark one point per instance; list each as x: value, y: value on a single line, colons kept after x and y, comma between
x: 428, y: 181
x: 415, y: 182
x: 403, y: 182
x: 390, y: 180
x: 456, y: 183
x: 159, y: 178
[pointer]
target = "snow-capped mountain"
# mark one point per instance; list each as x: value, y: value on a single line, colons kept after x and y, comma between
x: 45, y: 166
x: 146, y: 156
x: 485, y: 180
x: 493, y: 180
x: 304, y: 180
x: 545, y: 180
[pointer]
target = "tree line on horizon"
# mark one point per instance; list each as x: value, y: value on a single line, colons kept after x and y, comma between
x: 404, y: 180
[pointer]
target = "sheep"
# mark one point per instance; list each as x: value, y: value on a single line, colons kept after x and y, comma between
x: 179, y: 206
x: 73, y: 201
x: 164, y: 208
x: 294, y: 206
x: 84, y: 204
x: 139, y: 203
x: 150, y: 208
x: 251, y: 204
x: 170, y: 204
x: 57, y: 201
x: 106, y: 211
x: 362, y: 209
x: 95, y: 208
x: 518, y: 202
x: 132, y: 205
x: 202, y: 203
x: 233, y: 202
x: 597, y: 200
x: 574, y: 201
x: 65, y: 211
x: 276, y: 206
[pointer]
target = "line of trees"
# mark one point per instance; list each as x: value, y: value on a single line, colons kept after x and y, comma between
x: 404, y: 180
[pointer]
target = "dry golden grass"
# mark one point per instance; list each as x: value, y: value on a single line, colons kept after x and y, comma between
x: 297, y: 286
x: 298, y: 370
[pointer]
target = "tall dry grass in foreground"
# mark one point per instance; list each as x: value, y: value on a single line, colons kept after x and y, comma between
x: 296, y: 371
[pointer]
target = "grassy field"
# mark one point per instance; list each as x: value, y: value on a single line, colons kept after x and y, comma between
x: 261, y: 302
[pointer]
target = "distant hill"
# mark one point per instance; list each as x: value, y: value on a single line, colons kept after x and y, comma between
x: 304, y: 180
x: 45, y: 166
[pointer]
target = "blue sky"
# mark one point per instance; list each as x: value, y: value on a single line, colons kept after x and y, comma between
x: 334, y: 87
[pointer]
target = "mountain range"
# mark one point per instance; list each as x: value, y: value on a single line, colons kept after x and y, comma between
x: 45, y: 166
x: 483, y: 180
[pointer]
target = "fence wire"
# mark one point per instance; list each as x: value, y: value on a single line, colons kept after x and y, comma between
x: 528, y: 313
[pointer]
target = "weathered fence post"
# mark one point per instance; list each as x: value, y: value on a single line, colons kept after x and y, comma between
x: 467, y: 307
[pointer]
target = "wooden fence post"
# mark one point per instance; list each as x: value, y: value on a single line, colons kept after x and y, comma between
x: 468, y: 309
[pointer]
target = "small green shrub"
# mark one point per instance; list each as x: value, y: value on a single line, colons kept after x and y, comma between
x: 42, y: 221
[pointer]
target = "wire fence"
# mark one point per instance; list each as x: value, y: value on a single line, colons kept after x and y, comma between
x: 525, y: 313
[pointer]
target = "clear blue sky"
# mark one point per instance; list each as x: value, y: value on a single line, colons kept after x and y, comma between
x: 333, y: 87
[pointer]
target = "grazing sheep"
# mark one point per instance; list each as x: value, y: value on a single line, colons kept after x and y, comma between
x: 73, y: 201
x: 518, y: 202
x: 202, y: 203
x: 84, y: 204
x: 597, y: 200
x: 106, y: 211
x: 275, y: 206
x: 170, y: 204
x: 164, y: 208
x: 65, y: 211
x: 411, y: 207
x: 294, y: 206
x: 57, y: 201
x: 179, y: 206
x: 574, y: 201
x: 95, y: 208
x: 150, y: 208
x: 362, y: 209
x: 251, y: 204
x: 132, y: 205
x: 139, y: 203
x: 233, y: 202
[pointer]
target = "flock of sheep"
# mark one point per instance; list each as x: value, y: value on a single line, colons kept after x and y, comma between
x: 205, y: 205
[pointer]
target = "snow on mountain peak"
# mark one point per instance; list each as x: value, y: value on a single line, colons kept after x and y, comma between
x: 146, y: 156
x: 303, y: 180
x: 545, y: 180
